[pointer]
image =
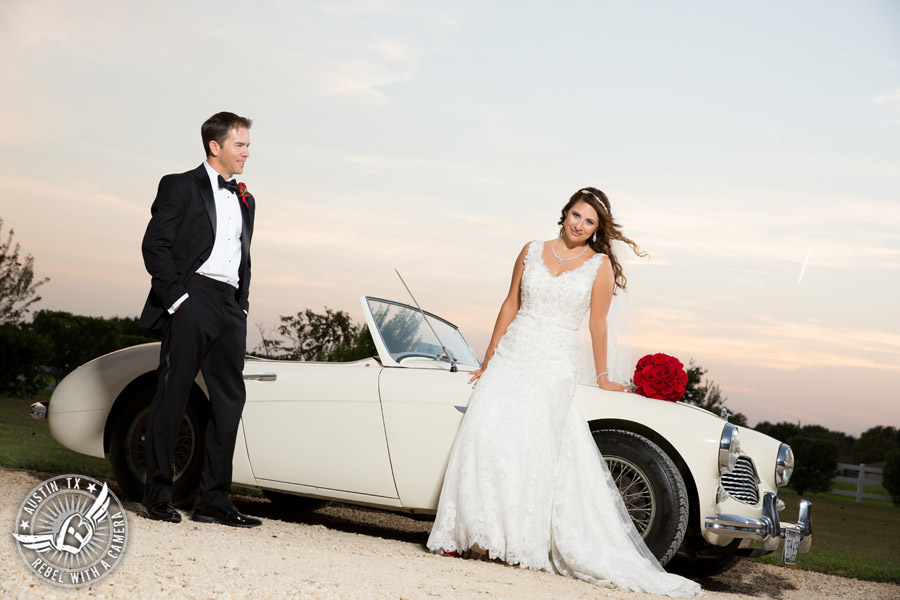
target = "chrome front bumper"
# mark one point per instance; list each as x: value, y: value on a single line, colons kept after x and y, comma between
x: 769, y: 529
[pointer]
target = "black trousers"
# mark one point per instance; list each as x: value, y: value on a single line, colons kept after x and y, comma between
x: 208, y: 333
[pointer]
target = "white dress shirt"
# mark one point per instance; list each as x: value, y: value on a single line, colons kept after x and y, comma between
x: 225, y: 258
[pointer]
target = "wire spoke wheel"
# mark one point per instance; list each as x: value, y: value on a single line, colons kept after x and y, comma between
x: 185, y: 447
x: 637, y: 494
x: 651, y: 487
x: 127, y: 440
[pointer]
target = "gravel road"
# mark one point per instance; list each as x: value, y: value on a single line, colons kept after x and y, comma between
x: 339, y: 552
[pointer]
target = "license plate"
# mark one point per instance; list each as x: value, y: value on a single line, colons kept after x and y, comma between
x: 792, y: 539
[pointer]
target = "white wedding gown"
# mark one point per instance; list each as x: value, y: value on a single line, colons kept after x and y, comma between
x: 526, y: 481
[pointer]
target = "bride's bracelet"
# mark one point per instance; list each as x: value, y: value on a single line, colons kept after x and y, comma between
x: 602, y: 374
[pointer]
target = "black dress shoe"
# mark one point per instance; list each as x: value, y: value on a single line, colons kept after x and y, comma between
x: 231, y: 517
x: 161, y: 511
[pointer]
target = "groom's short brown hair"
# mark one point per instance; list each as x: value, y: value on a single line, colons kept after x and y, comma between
x: 217, y: 127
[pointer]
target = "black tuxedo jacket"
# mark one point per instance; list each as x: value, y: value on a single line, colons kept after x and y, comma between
x: 180, y: 237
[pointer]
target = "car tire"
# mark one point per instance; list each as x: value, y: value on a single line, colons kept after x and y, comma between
x: 652, y: 488
x: 294, y: 503
x: 126, y: 447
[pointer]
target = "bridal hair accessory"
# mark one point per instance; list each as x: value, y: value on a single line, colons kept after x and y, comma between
x: 560, y: 258
x: 590, y: 193
x: 661, y: 377
x: 599, y: 201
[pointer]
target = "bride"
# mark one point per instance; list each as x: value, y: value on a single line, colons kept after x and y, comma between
x: 526, y: 483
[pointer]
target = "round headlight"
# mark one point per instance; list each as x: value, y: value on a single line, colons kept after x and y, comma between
x: 784, y: 465
x: 729, y: 448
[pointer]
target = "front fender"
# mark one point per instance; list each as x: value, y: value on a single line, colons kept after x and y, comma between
x: 692, y: 434
x: 81, y: 403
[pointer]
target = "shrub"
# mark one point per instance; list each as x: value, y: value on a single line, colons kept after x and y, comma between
x: 22, y: 352
x: 816, y: 461
x: 891, y: 477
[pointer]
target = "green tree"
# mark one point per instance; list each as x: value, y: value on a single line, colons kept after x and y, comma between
x: 816, y: 452
x: 75, y: 339
x: 22, y: 354
x: 131, y: 333
x: 707, y: 394
x: 330, y: 336
x: 783, y: 431
x: 843, y: 441
x: 891, y: 476
x: 816, y: 461
x: 875, y: 443
x: 18, y: 287
x: 360, y: 347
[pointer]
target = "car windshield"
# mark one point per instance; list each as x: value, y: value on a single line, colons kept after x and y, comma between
x: 405, y: 333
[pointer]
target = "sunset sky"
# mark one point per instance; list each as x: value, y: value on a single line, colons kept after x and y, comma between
x: 752, y: 149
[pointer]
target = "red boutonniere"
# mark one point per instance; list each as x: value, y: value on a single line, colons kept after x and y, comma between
x: 243, y: 193
x: 660, y: 376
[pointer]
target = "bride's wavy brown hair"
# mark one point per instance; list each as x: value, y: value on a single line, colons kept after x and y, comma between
x: 607, y: 229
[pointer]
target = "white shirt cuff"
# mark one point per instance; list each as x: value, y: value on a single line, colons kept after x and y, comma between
x: 178, y: 302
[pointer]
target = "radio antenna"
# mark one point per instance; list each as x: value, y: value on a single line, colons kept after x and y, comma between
x: 453, y: 368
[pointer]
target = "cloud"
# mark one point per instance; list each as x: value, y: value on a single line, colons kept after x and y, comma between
x: 374, y: 163
x: 768, y: 342
x: 80, y: 196
x: 17, y: 128
x: 752, y: 228
x: 889, y: 98
x: 812, y: 333
x: 384, y: 63
x: 350, y: 49
x: 891, y: 101
x: 344, y: 9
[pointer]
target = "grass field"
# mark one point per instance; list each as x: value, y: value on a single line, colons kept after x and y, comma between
x: 26, y: 443
x: 861, y: 541
x: 851, y: 487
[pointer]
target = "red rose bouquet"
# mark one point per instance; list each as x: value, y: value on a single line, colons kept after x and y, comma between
x: 660, y: 376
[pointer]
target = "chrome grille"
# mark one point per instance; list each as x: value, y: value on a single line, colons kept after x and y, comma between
x: 740, y: 482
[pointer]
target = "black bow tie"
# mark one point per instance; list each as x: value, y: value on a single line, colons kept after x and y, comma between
x: 231, y: 185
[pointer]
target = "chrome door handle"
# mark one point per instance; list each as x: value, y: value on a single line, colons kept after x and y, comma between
x: 261, y: 377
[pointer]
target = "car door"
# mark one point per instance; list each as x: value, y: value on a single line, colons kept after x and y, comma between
x: 317, y: 425
x: 423, y: 408
x: 424, y: 392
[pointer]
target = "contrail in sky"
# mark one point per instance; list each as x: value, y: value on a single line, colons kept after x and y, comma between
x: 803, y: 268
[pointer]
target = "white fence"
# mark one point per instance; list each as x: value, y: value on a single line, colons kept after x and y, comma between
x: 862, y: 479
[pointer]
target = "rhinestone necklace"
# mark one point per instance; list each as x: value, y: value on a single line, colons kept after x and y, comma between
x: 560, y: 258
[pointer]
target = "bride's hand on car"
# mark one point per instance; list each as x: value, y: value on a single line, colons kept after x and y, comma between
x: 612, y: 386
x: 476, y: 374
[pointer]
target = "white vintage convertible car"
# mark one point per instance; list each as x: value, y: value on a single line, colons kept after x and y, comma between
x: 378, y: 432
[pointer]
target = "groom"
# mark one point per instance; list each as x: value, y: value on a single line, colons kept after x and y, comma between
x: 197, y: 251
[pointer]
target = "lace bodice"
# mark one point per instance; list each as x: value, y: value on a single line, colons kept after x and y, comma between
x: 562, y: 300
x: 546, y: 326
